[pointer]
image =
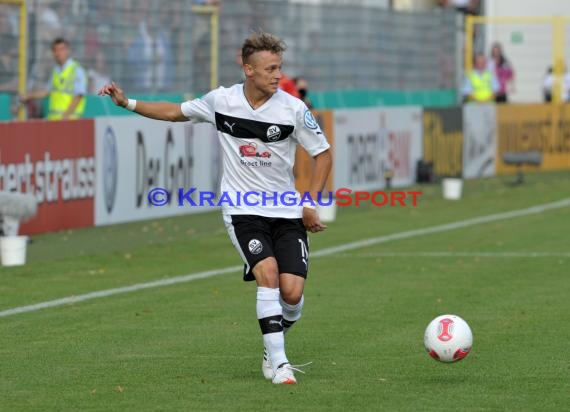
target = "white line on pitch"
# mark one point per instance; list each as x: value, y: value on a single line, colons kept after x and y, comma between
x: 454, y: 254
x: 118, y: 291
x: 324, y: 252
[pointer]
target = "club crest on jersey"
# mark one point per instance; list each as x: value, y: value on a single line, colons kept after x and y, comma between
x: 310, y: 122
x: 273, y: 133
x: 255, y: 246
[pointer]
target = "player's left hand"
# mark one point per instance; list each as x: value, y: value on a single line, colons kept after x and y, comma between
x: 312, y: 221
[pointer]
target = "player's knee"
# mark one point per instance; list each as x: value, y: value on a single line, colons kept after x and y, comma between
x: 291, y: 288
x: 266, y: 273
x: 292, y: 296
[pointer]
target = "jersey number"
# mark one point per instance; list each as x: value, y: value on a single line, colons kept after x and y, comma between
x: 304, y: 252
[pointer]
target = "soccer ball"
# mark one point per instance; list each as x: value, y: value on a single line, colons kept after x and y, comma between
x: 448, y: 338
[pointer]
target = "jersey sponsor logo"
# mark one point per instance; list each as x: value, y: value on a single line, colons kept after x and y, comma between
x: 250, y: 150
x: 273, y: 133
x: 310, y: 121
x: 229, y: 126
x: 255, y: 246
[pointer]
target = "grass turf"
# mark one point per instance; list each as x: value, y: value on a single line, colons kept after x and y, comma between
x: 196, y: 346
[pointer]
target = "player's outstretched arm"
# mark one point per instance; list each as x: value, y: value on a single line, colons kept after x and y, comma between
x: 153, y: 110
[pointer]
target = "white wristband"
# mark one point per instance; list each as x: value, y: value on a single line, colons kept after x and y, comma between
x: 310, y: 207
x: 131, y: 105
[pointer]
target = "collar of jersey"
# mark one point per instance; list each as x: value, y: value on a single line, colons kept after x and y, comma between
x: 244, y: 97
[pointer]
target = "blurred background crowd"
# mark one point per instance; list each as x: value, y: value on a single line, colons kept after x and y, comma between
x: 153, y: 47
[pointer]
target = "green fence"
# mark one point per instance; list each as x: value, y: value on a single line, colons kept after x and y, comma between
x: 371, y: 98
x: 5, y: 107
x: 103, y: 106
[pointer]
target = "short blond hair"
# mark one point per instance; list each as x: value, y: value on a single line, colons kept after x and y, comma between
x: 261, y: 41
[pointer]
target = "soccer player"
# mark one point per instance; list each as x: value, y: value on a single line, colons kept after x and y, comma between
x: 270, y: 236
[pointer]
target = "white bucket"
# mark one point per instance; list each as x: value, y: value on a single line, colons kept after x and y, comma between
x: 452, y: 188
x: 327, y: 213
x: 13, y: 250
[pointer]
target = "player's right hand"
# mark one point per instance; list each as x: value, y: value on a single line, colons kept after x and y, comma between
x: 116, y: 94
x: 312, y: 221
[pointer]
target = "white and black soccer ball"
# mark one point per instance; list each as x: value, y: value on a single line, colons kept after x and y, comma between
x: 448, y: 338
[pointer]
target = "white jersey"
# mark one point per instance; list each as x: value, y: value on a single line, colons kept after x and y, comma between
x: 258, y: 148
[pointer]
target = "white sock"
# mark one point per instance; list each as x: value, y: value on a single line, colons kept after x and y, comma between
x: 270, y: 316
x: 291, y: 313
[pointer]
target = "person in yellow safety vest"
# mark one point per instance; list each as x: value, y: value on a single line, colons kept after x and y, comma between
x: 67, y: 86
x: 481, y: 84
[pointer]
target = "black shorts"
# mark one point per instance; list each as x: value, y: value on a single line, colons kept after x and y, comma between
x: 259, y: 237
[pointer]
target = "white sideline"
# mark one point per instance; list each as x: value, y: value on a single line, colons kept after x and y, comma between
x: 324, y: 252
x: 455, y: 254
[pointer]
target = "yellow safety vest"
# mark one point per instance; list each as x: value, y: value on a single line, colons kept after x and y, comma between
x: 61, y: 96
x: 482, y: 86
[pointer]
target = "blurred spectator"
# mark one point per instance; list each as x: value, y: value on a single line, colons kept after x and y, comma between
x: 463, y: 6
x: 48, y: 21
x: 548, y: 83
x: 67, y: 87
x: 303, y: 89
x: 8, y: 59
x: 503, y: 70
x: 168, y: 26
x: 174, y: 31
x: 98, y: 75
x: 104, y: 26
x: 481, y: 84
x: 47, y: 27
x: 240, y: 77
x: 149, y: 55
x: 66, y: 19
x: 91, y: 45
x: 8, y: 22
x: 287, y: 84
x: 8, y: 65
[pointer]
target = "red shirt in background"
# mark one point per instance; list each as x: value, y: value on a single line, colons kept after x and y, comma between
x: 287, y: 84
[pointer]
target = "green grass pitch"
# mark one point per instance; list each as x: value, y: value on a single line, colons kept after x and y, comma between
x: 196, y: 346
